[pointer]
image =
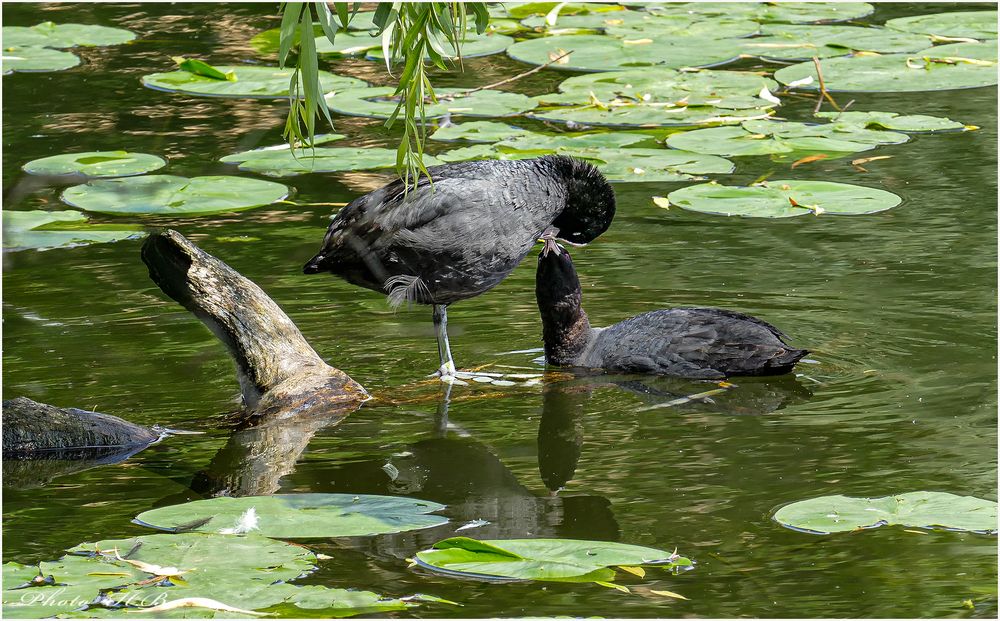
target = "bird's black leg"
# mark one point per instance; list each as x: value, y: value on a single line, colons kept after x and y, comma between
x: 447, y: 369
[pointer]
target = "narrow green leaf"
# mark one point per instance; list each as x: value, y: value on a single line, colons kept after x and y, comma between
x: 325, y: 18
x: 290, y: 13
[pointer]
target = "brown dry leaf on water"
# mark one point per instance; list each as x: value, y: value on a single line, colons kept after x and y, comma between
x: 864, y: 160
x: 638, y: 571
x: 809, y: 158
x: 668, y: 594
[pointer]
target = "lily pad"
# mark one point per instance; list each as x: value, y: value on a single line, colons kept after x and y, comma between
x: 968, y: 24
x: 788, y: 42
x: 893, y: 120
x: 479, y: 131
x: 95, y: 164
x: 75, y: 582
x: 773, y: 12
x: 786, y: 138
x: 169, y: 195
x: 837, y: 514
x: 939, y: 68
x: 783, y: 198
x: 48, y: 34
x: 641, y: 24
x: 304, y: 515
x: 251, y: 81
x: 473, y: 45
x: 377, y: 102
x: 43, y: 230
x: 33, y: 59
x: 720, y: 89
x: 284, y: 163
x: 347, y: 44
x: 558, y: 560
x: 601, y: 53
x: 646, y: 116
x: 521, y: 10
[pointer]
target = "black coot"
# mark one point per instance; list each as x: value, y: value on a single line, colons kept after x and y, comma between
x: 459, y: 233
x: 697, y: 343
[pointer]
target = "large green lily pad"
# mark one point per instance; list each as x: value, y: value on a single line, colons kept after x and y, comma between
x: 169, y: 195
x: 893, y: 120
x: 251, y: 81
x: 48, y: 34
x: 43, y: 230
x: 786, y: 138
x: 730, y: 90
x: 601, y: 53
x: 34, y: 59
x: 782, y: 198
x: 645, y: 116
x: 95, y: 164
x: 284, y: 163
x: 642, y: 24
x: 939, y: 68
x: 969, y: 24
x: 559, y: 560
x: 522, y: 10
x: 377, y: 102
x: 76, y: 581
x: 479, y: 131
x: 837, y: 514
x: 473, y: 45
x: 304, y: 515
x: 789, y: 42
x: 773, y: 12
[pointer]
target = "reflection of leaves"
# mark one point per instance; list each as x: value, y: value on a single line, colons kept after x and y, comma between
x: 832, y: 514
x: 42, y: 230
x: 305, y: 515
x: 783, y: 199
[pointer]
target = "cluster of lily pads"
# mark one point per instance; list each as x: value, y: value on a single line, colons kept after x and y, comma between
x: 118, y: 186
x: 42, y: 47
x: 228, y: 556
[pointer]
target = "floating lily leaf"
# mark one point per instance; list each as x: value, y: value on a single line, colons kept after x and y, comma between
x: 640, y: 115
x: 939, y: 68
x: 473, y: 45
x: 720, y: 89
x: 48, y: 34
x: 168, y: 195
x: 601, y: 53
x: 479, y: 131
x: 773, y: 12
x: 42, y: 230
x: 284, y: 163
x: 786, y: 138
x: 968, y: 24
x: 789, y: 42
x: 36, y: 59
x: 836, y: 514
x: 893, y: 120
x: 377, y: 102
x: 560, y: 560
x: 250, y: 82
x: 783, y: 198
x: 75, y: 582
x: 645, y: 24
x: 304, y: 515
x: 347, y: 44
x: 521, y: 10
x: 200, y: 67
x: 95, y: 164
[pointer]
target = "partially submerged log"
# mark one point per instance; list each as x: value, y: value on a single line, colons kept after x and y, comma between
x: 31, y: 428
x: 279, y: 373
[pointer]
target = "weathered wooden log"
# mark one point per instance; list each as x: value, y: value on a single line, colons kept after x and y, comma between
x: 279, y: 373
x: 31, y: 427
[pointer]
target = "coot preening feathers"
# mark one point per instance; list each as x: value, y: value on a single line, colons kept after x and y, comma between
x: 463, y: 230
x: 696, y: 343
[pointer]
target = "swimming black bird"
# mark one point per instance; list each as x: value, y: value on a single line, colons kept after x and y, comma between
x: 696, y: 343
x: 463, y: 230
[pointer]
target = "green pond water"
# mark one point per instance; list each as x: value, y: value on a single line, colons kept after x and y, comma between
x: 898, y: 308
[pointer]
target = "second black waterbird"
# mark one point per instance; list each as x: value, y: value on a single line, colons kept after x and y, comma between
x: 460, y: 232
x: 695, y: 343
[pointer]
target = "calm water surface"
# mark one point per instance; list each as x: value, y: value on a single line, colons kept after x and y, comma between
x: 899, y: 309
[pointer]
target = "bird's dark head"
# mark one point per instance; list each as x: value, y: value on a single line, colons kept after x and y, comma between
x: 314, y: 265
x: 590, y: 200
x: 557, y: 287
